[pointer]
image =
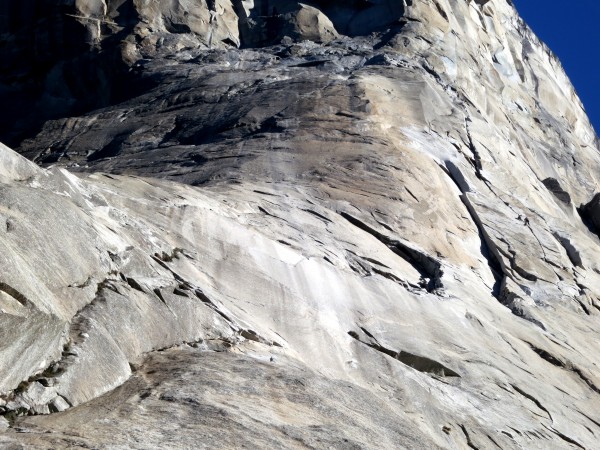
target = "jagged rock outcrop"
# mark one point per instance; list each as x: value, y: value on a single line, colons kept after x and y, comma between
x: 64, y: 58
x: 321, y: 224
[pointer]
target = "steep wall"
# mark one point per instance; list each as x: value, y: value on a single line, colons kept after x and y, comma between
x: 369, y: 238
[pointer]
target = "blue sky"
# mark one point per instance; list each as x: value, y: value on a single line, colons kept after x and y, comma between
x: 572, y: 31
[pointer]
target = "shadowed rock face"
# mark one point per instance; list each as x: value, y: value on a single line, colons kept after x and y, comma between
x: 66, y: 58
x: 302, y: 230
x: 266, y: 22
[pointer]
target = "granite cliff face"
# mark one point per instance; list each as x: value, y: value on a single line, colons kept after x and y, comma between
x: 364, y: 224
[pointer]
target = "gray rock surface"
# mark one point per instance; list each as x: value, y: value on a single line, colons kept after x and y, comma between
x: 372, y: 225
x: 181, y: 394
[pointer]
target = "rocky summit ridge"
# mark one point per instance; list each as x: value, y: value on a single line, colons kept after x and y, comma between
x: 273, y: 224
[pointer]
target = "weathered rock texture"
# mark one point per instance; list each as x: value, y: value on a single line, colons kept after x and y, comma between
x: 324, y: 225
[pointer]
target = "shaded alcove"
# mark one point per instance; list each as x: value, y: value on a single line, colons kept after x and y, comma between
x: 263, y: 22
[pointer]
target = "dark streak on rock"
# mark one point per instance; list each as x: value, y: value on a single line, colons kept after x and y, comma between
x: 556, y: 189
x: 488, y: 249
x: 320, y: 216
x: 14, y: 294
x: 595, y: 422
x: 135, y: 285
x: 493, y: 441
x: 555, y: 361
x: 585, y: 379
x: 572, y: 252
x: 566, y: 365
x: 419, y: 363
x: 203, y: 297
x: 469, y: 441
x: 429, y: 267
x: 159, y: 295
x: 533, y: 399
x: 564, y: 437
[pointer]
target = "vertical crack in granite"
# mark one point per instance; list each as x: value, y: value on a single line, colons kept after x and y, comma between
x: 488, y: 249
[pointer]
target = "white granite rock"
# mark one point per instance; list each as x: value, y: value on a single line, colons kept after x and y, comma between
x: 387, y: 239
